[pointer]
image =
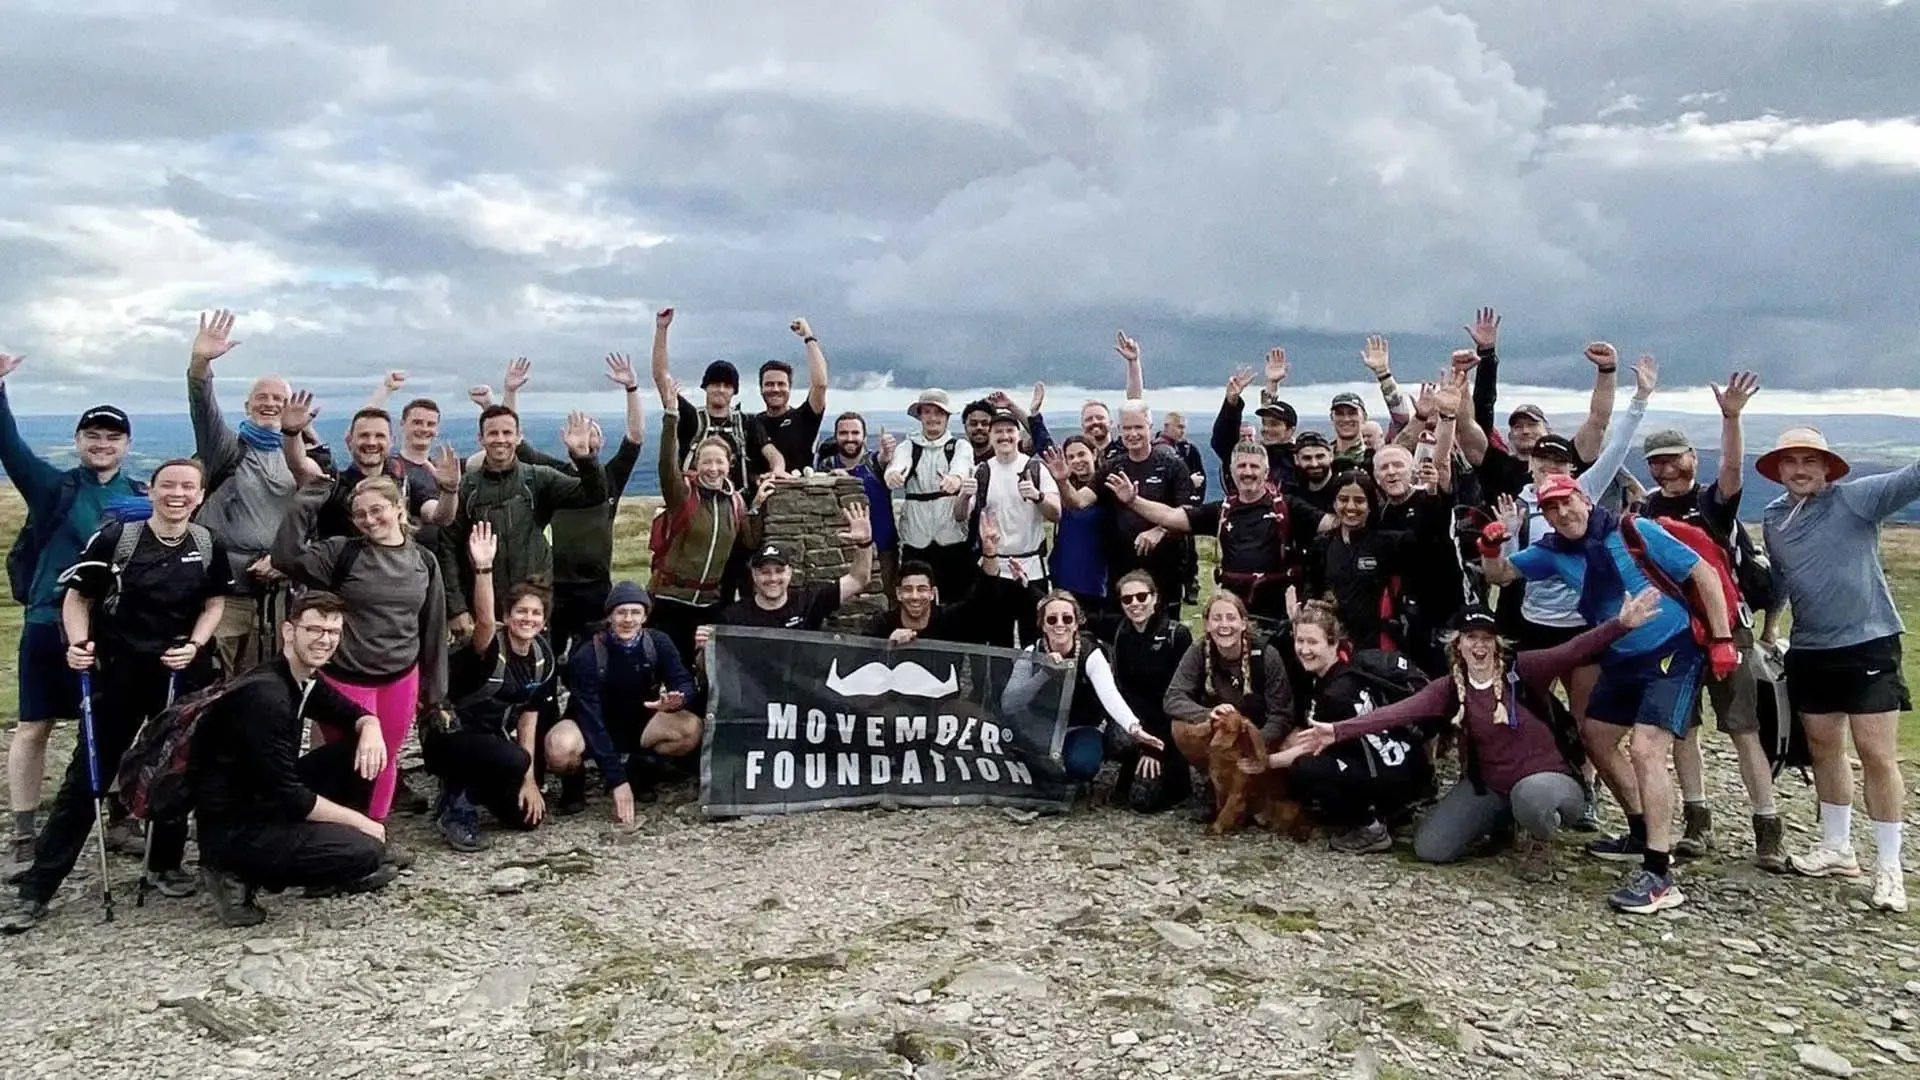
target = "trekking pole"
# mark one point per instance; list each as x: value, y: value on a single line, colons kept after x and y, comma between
x: 88, y: 733
x: 146, y: 854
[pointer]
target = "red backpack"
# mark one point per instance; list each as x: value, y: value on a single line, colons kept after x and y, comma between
x: 1710, y: 552
x: 666, y: 526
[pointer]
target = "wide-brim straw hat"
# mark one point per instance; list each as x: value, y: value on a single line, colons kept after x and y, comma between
x: 1801, y: 438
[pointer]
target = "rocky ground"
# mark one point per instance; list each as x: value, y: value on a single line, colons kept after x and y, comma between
x: 970, y: 944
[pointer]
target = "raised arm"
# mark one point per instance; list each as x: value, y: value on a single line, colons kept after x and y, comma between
x: 1485, y: 332
x: 859, y: 533
x: 215, y: 444
x: 1374, y: 355
x: 587, y: 486
x: 1740, y: 388
x: 1129, y: 351
x: 310, y: 564
x: 295, y: 419
x: 1878, y: 498
x: 620, y: 372
x: 816, y: 367
x: 30, y: 472
x: 1619, y: 442
x: 673, y: 482
x: 1434, y: 701
x: 662, y: 378
x: 482, y: 549
x: 1226, y: 422
x: 389, y: 385
x: 1606, y: 363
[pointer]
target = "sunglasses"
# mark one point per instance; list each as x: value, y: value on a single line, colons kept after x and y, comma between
x: 1135, y: 597
x: 1060, y: 620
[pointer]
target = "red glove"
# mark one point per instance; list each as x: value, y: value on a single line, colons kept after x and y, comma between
x: 1723, y: 658
x: 1493, y: 540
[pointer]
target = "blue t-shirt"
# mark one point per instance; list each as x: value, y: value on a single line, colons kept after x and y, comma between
x: 1079, y: 561
x: 1605, y: 581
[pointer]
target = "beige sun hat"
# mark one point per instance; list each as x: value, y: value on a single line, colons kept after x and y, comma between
x: 1801, y: 438
x: 936, y: 398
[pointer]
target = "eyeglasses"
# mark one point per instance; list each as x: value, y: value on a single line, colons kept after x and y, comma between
x: 318, y: 631
x: 1135, y: 597
x: 1060, y: 620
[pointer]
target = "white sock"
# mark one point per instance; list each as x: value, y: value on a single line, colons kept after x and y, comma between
x: 1886, y: 842
x: 1836, y: 826
x: 1765, y: 809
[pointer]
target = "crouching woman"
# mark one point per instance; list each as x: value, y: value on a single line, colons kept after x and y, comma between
x: 1096, y: 698
x: 1520, y: 751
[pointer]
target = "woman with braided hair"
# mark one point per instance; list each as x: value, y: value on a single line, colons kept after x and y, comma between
x: 1520, y: 753
x: 1229, y: 667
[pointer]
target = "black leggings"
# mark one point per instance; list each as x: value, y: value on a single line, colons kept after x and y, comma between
x: 1356, y: 795
x: 487, y: 768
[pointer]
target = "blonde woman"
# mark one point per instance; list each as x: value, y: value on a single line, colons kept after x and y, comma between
x: 1096, y: 698
x: 1520, y: 753
x: 392, y: 658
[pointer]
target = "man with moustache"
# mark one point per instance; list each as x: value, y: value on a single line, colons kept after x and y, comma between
x: 1021, y: 497
x: 65, y: 507
x: 248, y: 487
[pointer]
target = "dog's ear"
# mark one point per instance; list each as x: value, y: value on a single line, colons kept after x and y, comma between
x: 1247, y: 739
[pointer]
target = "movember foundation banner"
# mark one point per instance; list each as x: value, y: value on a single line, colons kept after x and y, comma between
x: 808, y: 721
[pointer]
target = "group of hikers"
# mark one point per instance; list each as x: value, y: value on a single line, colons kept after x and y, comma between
x: 1413, y: 582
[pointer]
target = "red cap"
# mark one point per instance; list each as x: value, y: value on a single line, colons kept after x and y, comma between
x: 1558, y: 486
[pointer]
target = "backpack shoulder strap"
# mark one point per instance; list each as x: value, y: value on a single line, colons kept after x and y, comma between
x: 123, y: 548
x: 1636, y: 546
x: 65, y: 494
x: 649, y: 651
x: 599, y: 659
x: 202, y: 542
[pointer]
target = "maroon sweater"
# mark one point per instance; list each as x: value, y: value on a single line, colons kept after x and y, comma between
x: 1505, y: 754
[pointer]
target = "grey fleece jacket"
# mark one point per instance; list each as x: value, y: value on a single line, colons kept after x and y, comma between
x: 1269, y: 705
x: 396, y: 608
x: 245, y: 510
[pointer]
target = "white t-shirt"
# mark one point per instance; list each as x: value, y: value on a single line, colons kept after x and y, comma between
x: 1022, y: 526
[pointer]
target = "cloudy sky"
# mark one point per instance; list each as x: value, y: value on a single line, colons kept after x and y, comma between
x: 956, y: 193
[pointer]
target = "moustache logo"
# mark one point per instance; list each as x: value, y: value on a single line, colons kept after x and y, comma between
x: 877, y: 679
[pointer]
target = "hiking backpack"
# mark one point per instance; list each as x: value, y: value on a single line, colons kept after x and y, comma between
x: 153, y: 772
x: 1704, y: 545
x: 23, y: 558
x: 733, y: 432
x: 1781, y: 734
x: 545, y: 669
x: 1388, y: 672
x: 982, y: 476
x: 667, y: 525
x: 914, y: 452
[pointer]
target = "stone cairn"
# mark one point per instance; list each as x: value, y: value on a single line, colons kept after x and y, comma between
x: 804, y: 517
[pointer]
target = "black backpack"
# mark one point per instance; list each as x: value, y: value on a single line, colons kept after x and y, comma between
x: 983, y: 475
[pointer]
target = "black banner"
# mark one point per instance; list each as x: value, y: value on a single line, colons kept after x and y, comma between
x: 810, y: 721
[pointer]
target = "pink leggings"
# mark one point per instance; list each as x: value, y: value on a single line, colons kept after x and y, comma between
x: 394, y: 703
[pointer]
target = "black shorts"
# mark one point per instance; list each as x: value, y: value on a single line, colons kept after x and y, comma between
x: 1857, y: 680
x: 49, y: 689
x: 1533, y: 635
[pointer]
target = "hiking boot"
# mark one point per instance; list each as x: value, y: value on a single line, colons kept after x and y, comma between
x: 232, y: 900
x: 23, y: 916
x: 126, y: 837
x: 1697, y: 839
x: 573, y: 795
x: 1889, y: 889
x: 22, y: 849
x: 1191, y: 596
x: 175, y: 884
x: 1204, y: 805
x: 1646, y: 893
x: 1533, y: 858
x: 1769, y: 844
x: 1622, y: 848
x: 1823, y: 861
x: 1369, y: 839
x: 396, y: 856
x: 379, y: 879
x: 1589, y: 814
x: 460, y: 826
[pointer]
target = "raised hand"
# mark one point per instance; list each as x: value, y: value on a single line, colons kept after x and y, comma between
x: 1424, y: 403
x: 670, y: 394
x: 1293, y: 601
x: 481, y: 395
x: 1646, y: 375
x: 989, y: 532
x: 1374, y: 355
x: 1732, y: 398
x: 1485, y: 329
x: 9, y: 363
x: 1506, y: 510
x: 446, y: 467
x: 800, y: 328
x: 663, y: 318
x: 1055, y: 462
x: 1602, y: 355
x: 1276, y: 366
x: 1128, y: 348
x: 1465, y: 360
x: 1449, y: 392
x: 1028, y: 490
x: 482, y: 545
x: 1122, y: 487
x: 887, y: 445
x: 1639, y: 609
x: 519, y: 370
x: 394, y: 381
x: 620, y: 370
x: 298, y: 412
x: 595, y: 440
x: 1039, y: 398
x: 212, y: 341
x: 1238, y: 382
x: 577, y: 434
x: 859, y: 528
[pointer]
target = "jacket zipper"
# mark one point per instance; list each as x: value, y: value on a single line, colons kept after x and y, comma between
x: 713, y: 542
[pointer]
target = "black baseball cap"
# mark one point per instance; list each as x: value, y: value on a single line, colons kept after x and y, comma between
x: 1003, y: 416
x: 1472, y: 617
x: 1310, y: 438
x: 1280, y: 411
x: 770, y: 553
x: 1554, y: 447
x: 1532, y: 412
x: 1347, y: 399
x: 104, y: 418
x: 722, y: 372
